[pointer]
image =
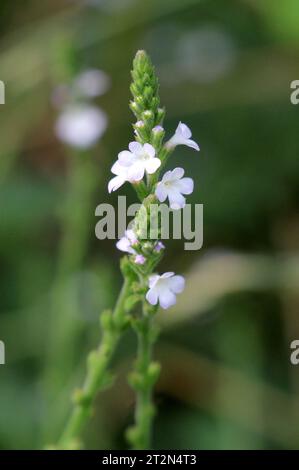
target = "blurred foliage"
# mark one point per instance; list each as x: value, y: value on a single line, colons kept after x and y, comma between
x: 225, y: 69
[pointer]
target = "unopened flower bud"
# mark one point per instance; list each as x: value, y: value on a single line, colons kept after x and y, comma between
x: 139, y: 259
x: 157, y: 136
x: 159, y: 246
x: 147, y: 115
x: 147, y: 247
x: 158, y: 129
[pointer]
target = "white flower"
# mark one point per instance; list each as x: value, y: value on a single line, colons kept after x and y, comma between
x: 80, y: 126
x: 138, y: 159
x: 173, y: 186
x: 91, y: 83
x: 123, y: 174
x: 163, y: 289
x: 125, y: 243
x: 182, y: 137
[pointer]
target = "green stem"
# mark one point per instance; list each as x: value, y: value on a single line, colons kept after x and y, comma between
x: 143, y: 380
x: 144, y: 406
x: 97, y: 376
x: 141, y: 190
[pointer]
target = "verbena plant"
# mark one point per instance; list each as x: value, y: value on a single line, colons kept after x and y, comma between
x: 143, y: 290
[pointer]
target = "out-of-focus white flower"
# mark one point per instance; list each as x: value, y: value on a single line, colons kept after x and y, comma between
x: 80, y: 126
x: 173, y: 186
x: 182, y: 136
x: 91, y: 83
x: 138, y: 159
x: 163, y: 289
x: 206, y: 54
x: 127, y: 242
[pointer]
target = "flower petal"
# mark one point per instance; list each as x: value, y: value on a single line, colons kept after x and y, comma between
x: 124, y: 245
x: 192, y: 144
x: 177, y: 284
x: 153, y: 280
x: 135, y: 147
x: 115, y: 183
x: 149, y: 149
x: 177, y: 173
x: 185, y: 185
x: 161, y: 192
x: 167, y: 275
x: 152, y: 165
x: 166, y: 176
x: 152, y: 296
x: 166, y: 298
x: 118, y: 169
x: 130, y: 234
x: 125, y: 158
x: 176, y: 200
x: 135, y: 172
x: 184, y: 130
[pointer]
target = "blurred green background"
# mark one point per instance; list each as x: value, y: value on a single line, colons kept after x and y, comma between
x: 225, y: 69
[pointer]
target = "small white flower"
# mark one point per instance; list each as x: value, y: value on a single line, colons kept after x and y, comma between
x: 91, y: 83
x: 126, y: 242
x: 163, y: 289
x: 123, y: 174
x: 80, y: 126
x: 173, y: 186
x: 182, y: 137
x: 138, y: 159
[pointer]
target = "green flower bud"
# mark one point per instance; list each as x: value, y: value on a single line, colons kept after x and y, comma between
x: 160, y: 116
x: 157, y: 136
x: 144, y: 89
x: 153, y: 372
